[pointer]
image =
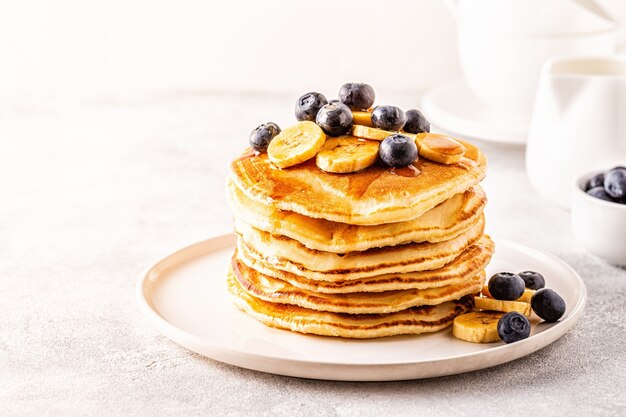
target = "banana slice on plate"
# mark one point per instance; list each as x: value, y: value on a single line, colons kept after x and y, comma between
x: 366, y: 132
x: 438, y: 148
x: 477, y: 326
x: 363, y: 118
x: 525, y: 298
x: 296, y: 144
x: 347, y: 154
x: 484, y: 303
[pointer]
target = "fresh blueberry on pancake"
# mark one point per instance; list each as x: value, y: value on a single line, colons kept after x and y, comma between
x: 398, y: 151
x: 308, y: 105
x: 335, y: 119
x: 262, y: 135
x: 416, y: 122
x: 357, y: 96
x: 388, y: 117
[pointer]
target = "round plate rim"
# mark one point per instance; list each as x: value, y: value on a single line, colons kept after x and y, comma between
x: 176, y: 334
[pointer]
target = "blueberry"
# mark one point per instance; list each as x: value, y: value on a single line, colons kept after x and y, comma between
x: 533, y: 280
x: 261, y: 137
x: 506, y: 286
x: 335, y: 119
x: 596, y: 181
x: 416, y: 122
x: 615, y: 183
x: 388, y: 117
x: 308, y: 105
x: 398, y: 151
x: 357, y: 96
x: 599, y: 192
x: 513, y: 327
x: 548, y: 305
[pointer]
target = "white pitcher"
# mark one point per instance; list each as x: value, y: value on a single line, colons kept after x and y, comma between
x: 578, y: 123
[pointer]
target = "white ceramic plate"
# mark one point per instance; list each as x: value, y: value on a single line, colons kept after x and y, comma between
x: 184, y: 296
x: 453, y: 107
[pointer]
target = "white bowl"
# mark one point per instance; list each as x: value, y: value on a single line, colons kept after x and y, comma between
x: 599, y: 225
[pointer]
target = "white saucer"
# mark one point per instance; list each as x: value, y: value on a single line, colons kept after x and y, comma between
x: 184, y: 297
x: 453, y: 107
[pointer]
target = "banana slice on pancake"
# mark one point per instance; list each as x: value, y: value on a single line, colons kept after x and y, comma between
x: 484, y: 303
x: 347, y: 154
x: 296, y: 144
x: 366, y: 132
x: 477, y: 326
x: 363, y: 118
x: 439, y: 148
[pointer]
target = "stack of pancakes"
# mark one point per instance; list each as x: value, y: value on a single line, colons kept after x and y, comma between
x: 378, y: 252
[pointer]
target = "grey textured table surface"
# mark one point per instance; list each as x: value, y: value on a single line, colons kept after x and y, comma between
x: 94, y: 190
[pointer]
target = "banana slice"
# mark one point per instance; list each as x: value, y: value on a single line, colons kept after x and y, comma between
x: 363, y: 118
x: 525, y: 298
x: 296, y: 144
x: 477, y: 326
x: 439, y: 148
x: 372, y: 133
x: 484, y: 303
x: 347, y: 154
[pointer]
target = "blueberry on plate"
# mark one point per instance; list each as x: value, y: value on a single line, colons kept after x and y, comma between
x: 261, y: 137
x: 599, y: 192
x: 398, y: 151
x: 595, y: 181
x: 506, y: 286
x: 615, y: 183
x: 357, y: 96
x: 388, y: 117
x: 416, y: 122
x: 335, y: 119
x: 533, y: 280
x: 513, y: 327
x: 308, y: 105
x: 548, y: 305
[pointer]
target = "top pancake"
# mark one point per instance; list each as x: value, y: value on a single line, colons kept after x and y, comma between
x: 375, y: 195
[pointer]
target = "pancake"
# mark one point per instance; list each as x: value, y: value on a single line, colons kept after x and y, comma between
x: 444, y: 222
x: 375, y: 195
x: 471, y: 262
x: 289, y: 255
x: 276, y: 291
x: 414, y: 320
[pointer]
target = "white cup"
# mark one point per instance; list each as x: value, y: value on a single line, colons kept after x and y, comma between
x: 503, y: 44
x: 578, y: 123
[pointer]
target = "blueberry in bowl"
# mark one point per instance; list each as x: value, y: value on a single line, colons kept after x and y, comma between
x: 599, y: 214
x: 615, y: 184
